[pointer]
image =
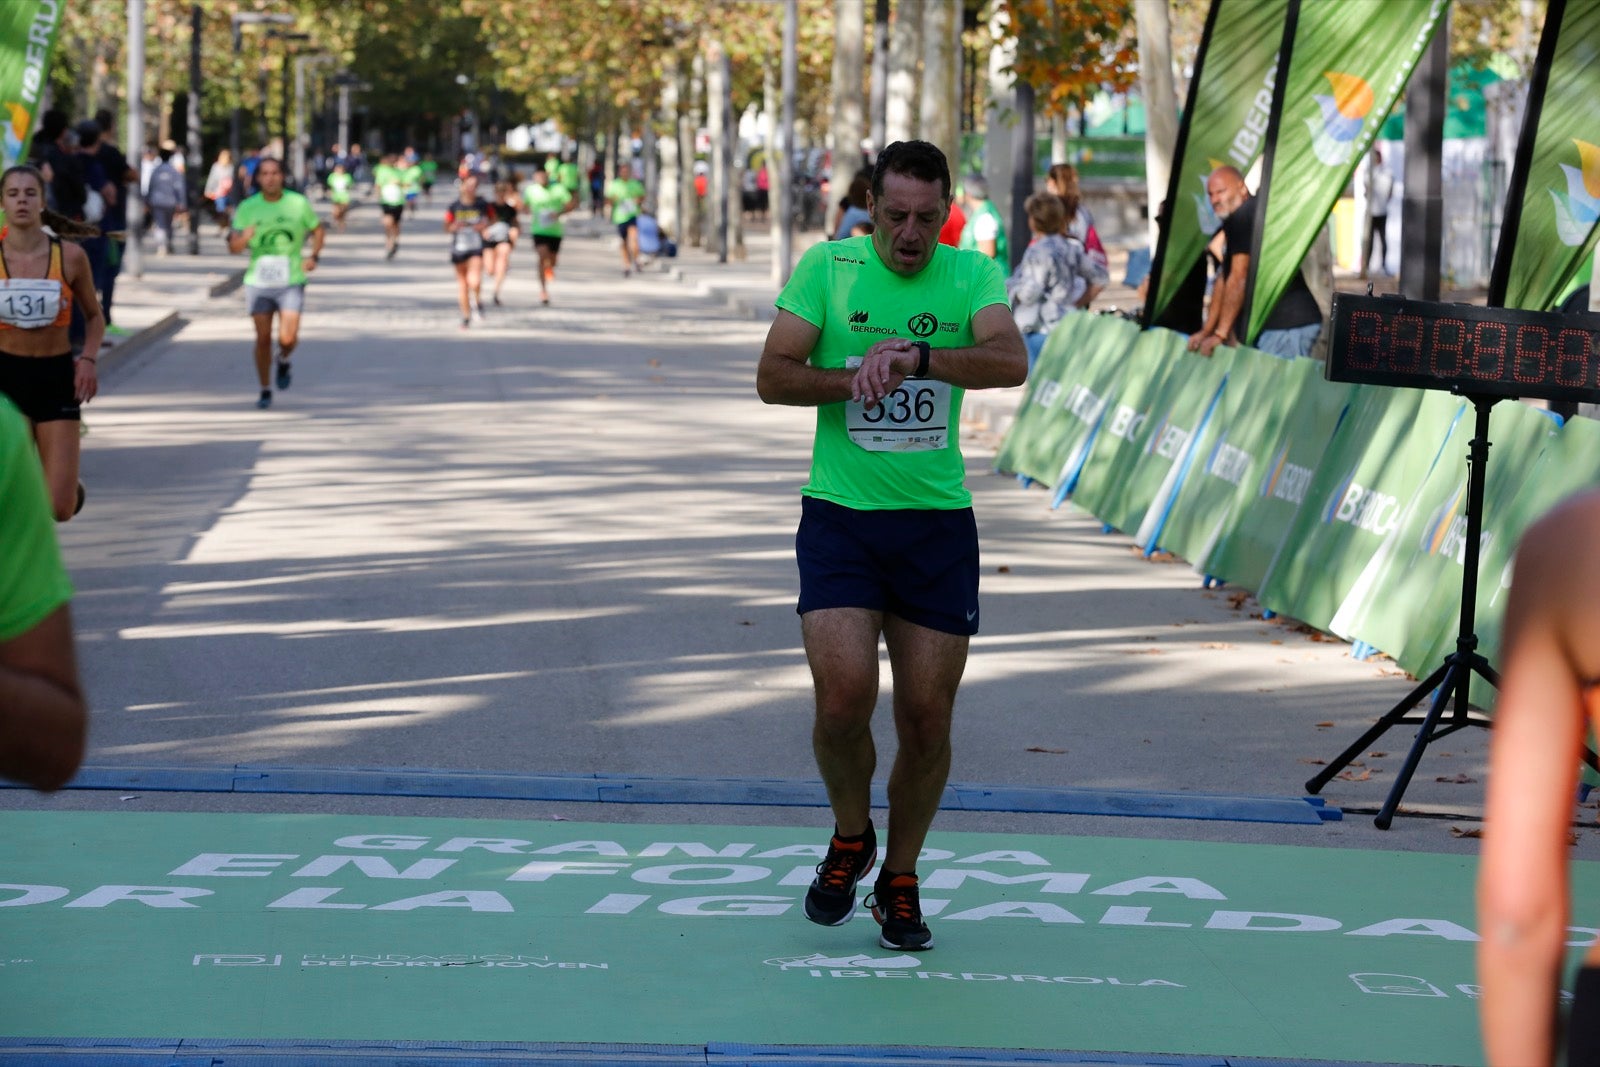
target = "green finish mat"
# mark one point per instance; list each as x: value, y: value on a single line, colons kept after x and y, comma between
x: 340, y: 928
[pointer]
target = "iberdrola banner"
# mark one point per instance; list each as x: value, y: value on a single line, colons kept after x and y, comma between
x: 1225, y: 122
x: 27, y: 39
x: 1347, y: 65
x: 1553, y: 214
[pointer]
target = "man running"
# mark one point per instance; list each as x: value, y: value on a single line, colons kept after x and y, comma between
x: 547, y: 202
x: 411, y: 178
x: 624, y: 194
x: 339, y: 183
x: 274, y: 224
x: 887, y: 543
x: 391, y: 188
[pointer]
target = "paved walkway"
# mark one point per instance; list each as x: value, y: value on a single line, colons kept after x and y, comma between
x: 479, y: 648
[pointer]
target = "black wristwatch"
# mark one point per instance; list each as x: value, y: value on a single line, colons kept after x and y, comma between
x: 922, y: 359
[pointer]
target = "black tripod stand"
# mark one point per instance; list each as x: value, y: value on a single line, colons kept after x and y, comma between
x: 1453, y: 679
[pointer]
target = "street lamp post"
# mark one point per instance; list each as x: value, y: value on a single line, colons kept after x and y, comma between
x: 240, y: 21
x: 299, y: 151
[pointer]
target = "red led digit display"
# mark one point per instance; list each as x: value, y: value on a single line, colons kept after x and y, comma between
x: 1464, y: 348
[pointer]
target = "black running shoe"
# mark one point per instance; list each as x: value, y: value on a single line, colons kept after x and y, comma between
x: 898, y: 909
x: 831, y: 900
x: 264, y: 401
x: 284, y: 377
x: 82, y: 495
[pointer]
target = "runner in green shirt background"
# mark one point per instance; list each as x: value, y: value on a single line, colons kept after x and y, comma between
x: 624, y: 197
x: 389, y: 183
x: 547, y: 202
x: 430, y: 172
x: 339, y: 183
x: 411, y: 178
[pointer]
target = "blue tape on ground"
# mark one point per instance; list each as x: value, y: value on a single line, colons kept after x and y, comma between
x: 290, y: 1052
x: 645, y: 789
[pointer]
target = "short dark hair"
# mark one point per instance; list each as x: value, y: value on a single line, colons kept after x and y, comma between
x: 915, y: 159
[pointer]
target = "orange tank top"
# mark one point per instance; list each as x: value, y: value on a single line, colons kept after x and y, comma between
x: 24, y: 302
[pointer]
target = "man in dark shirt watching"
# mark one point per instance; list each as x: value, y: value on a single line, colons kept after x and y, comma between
x: 1295, y: 321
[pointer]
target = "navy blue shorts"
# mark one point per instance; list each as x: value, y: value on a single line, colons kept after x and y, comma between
x: 921, y: 566
x: 1583, y: 1024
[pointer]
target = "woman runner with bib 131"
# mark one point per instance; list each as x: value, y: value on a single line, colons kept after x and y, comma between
x: 465, y: 220
x: 40, y: 277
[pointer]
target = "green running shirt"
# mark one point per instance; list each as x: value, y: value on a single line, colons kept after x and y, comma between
x: 282, y: 226
x: 626, y: 196
x: 906, y: 453
x: 390, y: 184
x: 546, y: 202
x: 33, y: 583
x: 339, y: 188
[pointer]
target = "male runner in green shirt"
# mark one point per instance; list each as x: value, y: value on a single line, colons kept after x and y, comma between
x: 274, y: 224
x: 547, y: 201
x: 390, y: 185
x: 624, y: 196
x: 882, y: 334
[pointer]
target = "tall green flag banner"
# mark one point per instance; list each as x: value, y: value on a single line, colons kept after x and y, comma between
x: 1131, y: 418
x: 1553, y: 208
x: 27, y: 38
x: 1368, y: 477
x: 1231, y: 452
x: 1346, y: 67
x: 1295, y: 433
x: 1224, y: 122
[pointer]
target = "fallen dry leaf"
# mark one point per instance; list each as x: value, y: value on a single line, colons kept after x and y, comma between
x: 1323, y: 725
x: 1002, y: 569
x: 1363, y: 776
x: 1318, y: 635
x: 1238, y: 599
x: 1378, y: 755
x: 1315, y: 762
x: 1456, y: 779
x: 655, y: 363
x: 1143, y: 651
x: 1162, y: 556
x: 746, y: 622
x: 1050, y: 751
x: 1476, y: 831
x: 1277, y: 641
x: 1216, y: 644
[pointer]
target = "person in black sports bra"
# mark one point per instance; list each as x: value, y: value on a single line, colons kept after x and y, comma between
x: 501, y: 235
x: 40, y: 277
x: 1549, y: 698
x: 465, y: 221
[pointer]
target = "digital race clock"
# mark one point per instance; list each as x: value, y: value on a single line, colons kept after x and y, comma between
x: 1462, y: 348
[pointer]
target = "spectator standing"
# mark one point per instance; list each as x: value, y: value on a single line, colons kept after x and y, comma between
x: 1055, y: 275
x: 1380, y: 190
x: 985, y: 230
x: 218, y: 187
x: 853, y: 206
x: 114, y: 224
x: 1062, y: 180
x: 165, y: 197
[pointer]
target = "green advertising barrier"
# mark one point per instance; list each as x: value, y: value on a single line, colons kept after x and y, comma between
x: 1372, y: 469
x: 1134, y: 414
x: 1231, y: 451
x: 1298, y: 431
x: 1188, y: 402
x: 1409, y: 602
x: 1570, y: 463
x: 1030, y: 441
x: 1081, y: 365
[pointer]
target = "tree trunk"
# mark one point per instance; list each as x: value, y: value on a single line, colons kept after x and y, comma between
x: 846, y: 127
x: 1160, y: 101
x: 879, y: 98
x: 941, y: 78
x: 717, y: 194
x: 905, y: 55
x: 669, y: 196
x: 1058, y: 138
x: 686, y: 132
x: 1002, y: 126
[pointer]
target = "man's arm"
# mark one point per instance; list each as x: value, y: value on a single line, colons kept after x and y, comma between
x: 44, y: 721
x: 784, y: 377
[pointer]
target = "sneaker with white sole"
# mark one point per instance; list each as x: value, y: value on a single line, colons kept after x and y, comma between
x: 831, y: 900
x: 897, y: 906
